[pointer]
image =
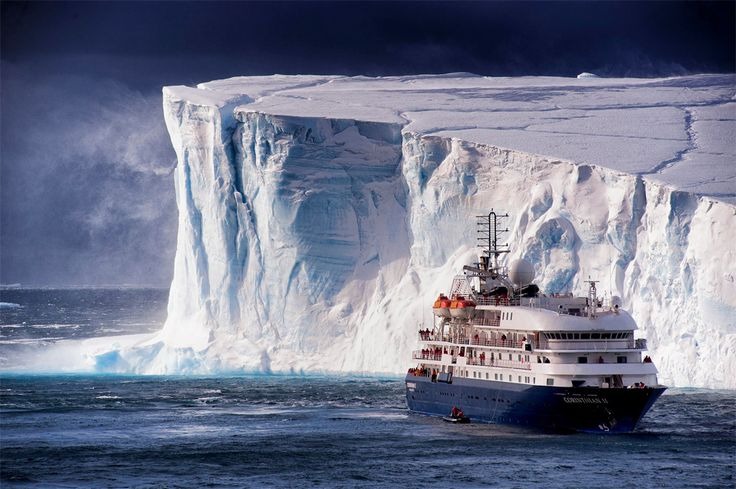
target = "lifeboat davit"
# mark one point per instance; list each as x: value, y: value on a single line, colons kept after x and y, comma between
x: 461, y: 307
x: 441, y: 306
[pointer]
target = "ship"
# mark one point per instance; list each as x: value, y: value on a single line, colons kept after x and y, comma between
x: 500, y: 351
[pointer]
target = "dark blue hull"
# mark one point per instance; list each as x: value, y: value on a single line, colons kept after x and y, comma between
x: 587, y: 409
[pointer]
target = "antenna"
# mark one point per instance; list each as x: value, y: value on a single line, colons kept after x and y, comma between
x: 488, y: 235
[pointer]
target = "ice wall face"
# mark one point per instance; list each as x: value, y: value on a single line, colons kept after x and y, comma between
x: 317, y: 242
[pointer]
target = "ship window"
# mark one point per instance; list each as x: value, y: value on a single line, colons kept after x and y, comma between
x: 595, y: 336
x: 519, y: 357
x: 495, y: 376
x: 620, y: 359
x: 576, y: 336
x: 584, y: 336
x: 512, y: 315
x: 534, y: 380
x: 519, y: 378
x: 486, y: 375
x: 510, y: 357
x: 510, y: 379
x: 582, y: 359
x: 550, y: 381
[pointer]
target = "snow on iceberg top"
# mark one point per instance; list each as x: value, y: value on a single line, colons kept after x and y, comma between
x: 679, y: 131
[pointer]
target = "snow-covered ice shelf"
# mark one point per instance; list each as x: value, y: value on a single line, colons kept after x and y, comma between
x: 321, y: 215
x: 678, y: 131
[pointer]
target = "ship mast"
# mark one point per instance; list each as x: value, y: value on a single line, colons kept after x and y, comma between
x: 489, y: 235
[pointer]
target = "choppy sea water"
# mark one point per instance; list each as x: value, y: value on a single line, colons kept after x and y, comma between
x: 275, y: 431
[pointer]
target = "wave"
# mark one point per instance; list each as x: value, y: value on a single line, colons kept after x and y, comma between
x: 9, y: 305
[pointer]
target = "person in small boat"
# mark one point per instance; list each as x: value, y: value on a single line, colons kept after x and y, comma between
x: 456, y: 413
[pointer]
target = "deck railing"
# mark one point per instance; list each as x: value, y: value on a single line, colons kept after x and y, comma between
x: 497, y: 301
x: 420, y: 355
x: 463, y: 340
x: 473, y: 361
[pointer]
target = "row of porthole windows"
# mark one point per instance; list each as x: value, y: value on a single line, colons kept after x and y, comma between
x: 497, y: 376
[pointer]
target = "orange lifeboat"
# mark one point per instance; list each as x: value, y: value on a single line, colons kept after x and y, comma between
x: 441, y: 306
x: 460, y: 307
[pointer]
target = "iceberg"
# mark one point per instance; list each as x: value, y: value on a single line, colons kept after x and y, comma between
x: 319, y: 216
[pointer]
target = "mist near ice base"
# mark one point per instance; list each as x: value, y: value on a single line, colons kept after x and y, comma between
x: 309, y: 241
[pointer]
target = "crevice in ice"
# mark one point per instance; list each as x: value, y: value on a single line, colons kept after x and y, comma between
x: 681, y: 154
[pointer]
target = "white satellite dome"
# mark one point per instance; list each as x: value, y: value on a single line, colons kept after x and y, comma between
x: 616, y: 302
x: 521, y: 272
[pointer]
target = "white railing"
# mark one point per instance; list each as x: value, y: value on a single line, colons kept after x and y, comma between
x: 423, y: 355
x: 463, y: 340
x: 474, y: 361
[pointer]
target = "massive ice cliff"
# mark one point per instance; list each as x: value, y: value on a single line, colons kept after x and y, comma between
x: 320, y: 216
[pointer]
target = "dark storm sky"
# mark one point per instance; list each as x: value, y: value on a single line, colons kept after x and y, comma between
x: 86, y: 190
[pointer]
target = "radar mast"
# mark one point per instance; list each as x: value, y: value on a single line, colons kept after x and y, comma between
x: 488, y: 236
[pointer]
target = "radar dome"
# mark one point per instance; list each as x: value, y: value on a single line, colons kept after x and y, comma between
x: 521, y: 272
x: 616, y: 301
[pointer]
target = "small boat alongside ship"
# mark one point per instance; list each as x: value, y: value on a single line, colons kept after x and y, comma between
x: 501, y: 352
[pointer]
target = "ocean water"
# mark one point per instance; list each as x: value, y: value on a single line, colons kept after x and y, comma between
x: 309, y: 431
